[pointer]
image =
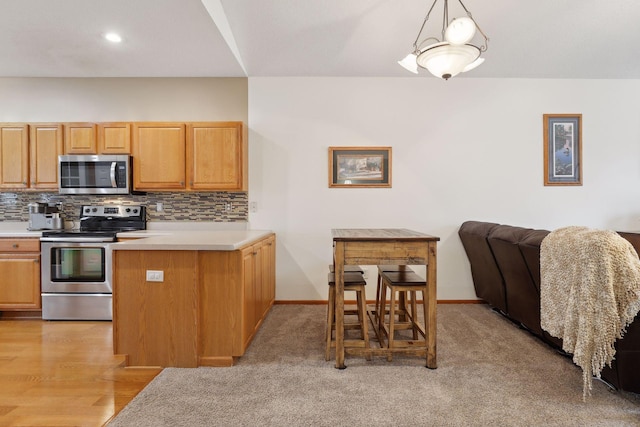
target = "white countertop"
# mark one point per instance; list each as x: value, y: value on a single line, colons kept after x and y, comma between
x: 17, y: 229
x: 180, y: 240
x: 174, y: 235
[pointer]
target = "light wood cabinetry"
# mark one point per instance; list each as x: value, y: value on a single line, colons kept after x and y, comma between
x: 155, y: 323
x: 19, y: 274
x: 198, y: 156
x: 167, y: 156
x: 159, y: 156
x: 206, y: 311
x: 114, y: 138
x: 268, y: 273
x: 80, y: 138
x: 45, y: 145
x: 97, y: 138
x: 14, y: 155
x: 258, y: 263
x: 30, y: 155
x: 216, y: 156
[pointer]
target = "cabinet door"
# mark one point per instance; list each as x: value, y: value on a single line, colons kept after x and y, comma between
x: 45, y: 145
x: 258, y: 287
x: 19, y: 281
x: 249, y: 319
x: 14, y: 155
x: 216, y: 156
x: 268, y: 273
x: 158, y: 156
x: 114, y: 138
x: 80, y: 138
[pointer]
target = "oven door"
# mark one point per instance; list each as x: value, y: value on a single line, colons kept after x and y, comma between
x: 75, y: 267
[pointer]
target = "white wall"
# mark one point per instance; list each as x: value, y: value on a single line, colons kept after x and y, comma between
x: 122, y: 99
x: 462, y: 149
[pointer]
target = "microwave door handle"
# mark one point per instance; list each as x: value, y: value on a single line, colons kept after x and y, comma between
x: 113, y: 175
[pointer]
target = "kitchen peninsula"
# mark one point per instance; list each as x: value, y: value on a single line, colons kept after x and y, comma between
x: 190, y: 298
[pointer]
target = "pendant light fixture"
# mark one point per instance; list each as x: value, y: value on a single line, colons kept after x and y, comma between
x: 453, y: 52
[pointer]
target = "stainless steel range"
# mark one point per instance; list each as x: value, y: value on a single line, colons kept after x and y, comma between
x: 76, y: 264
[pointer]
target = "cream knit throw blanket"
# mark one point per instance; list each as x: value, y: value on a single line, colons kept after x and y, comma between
x: 589, y: 294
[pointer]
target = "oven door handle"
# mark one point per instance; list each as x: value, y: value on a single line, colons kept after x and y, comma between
x: 77, y: 239
x: 113, y: 175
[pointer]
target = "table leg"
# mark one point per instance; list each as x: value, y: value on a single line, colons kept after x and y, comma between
x: 431, y: 326
x: 339, y: 309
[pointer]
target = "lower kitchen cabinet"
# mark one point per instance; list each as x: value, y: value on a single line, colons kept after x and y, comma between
x: 205, y: 312
x: 19, y: 274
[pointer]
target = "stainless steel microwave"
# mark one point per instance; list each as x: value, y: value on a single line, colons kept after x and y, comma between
x: 94, y: 174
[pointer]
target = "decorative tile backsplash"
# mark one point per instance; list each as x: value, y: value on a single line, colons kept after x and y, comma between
x: 217, y: 207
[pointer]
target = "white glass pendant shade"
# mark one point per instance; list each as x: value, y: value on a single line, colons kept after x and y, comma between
x: 409, y: 63
x: 445, y: 60
x: 460, y: 31
x: 473, y: 65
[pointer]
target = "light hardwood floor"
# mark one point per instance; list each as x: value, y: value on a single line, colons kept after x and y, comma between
x: 55, y: 373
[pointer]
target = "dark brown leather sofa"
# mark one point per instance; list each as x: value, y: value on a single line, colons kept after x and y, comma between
x: 505, y: 267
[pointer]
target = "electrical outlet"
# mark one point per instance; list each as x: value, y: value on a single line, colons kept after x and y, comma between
x: 253, y: 206
x: 155, y: 276
x: 159, y: 207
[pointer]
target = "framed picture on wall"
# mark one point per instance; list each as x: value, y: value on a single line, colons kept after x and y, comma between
x: 562, y: 149
x: 359, y: 167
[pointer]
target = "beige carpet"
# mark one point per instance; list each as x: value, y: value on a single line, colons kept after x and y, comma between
x: 489, y: 373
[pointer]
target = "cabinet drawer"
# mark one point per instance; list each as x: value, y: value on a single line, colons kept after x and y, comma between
x: 19, y: 245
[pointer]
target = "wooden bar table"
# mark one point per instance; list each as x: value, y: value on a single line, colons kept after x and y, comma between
x: 385, y: 246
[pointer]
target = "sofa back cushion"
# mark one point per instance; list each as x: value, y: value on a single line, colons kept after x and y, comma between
x: 487, y: 279
x: 523, y: 299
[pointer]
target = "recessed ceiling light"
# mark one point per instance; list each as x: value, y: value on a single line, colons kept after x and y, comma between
x: 113, y: 37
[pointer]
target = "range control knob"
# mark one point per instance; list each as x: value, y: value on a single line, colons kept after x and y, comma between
x: 94, y: 210
x: 87, y: 210
x: 128, y: 209
x: 135, y: 211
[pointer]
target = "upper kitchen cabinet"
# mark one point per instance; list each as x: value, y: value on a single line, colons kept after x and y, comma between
x: 45, y: 145
x: 216, y: 156
x: 114, y: 138
x: 158, y: 156
x: 100, y: 138
x: 14, y: 155
x: 80, y: 138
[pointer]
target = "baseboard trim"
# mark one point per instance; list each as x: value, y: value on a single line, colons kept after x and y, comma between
x: 21, y: 315
x: 324, y: 302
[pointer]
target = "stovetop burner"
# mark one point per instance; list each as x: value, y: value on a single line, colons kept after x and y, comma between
x: 102, y: 223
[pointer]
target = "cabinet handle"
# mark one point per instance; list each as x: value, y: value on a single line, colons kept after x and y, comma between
x: 37, y: 261
x: 182, y: 183
x: 15, y: 245
x: 191, y: 183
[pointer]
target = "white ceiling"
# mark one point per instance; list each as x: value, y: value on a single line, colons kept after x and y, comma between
x: 205, y: 38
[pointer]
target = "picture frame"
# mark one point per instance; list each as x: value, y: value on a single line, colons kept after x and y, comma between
x: 562, y: 149
x: 359, y: 167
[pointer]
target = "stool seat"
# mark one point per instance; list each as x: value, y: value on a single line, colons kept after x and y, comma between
x: 402, y: 286
x: 353, y: 281
x: 347, y: 269
x: 383, y: 269
x: 350, y: 279
x: 403, y: 278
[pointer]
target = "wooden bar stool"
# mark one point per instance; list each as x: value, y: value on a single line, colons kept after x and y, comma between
x: 353, y: 281
x: 382, y: 269
x: 400, y: 283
